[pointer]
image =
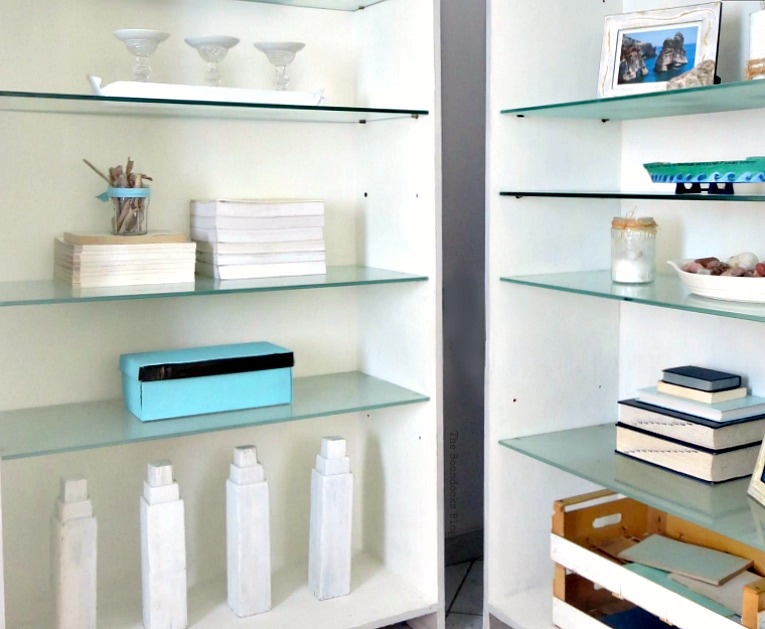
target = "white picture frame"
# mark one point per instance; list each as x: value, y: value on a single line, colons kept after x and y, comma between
x: 757, y: 482
x: 663, y: 38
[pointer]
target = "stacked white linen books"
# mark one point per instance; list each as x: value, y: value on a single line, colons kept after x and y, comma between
x: 697, y: 421
x: 258, y: 238
x: 102, y: 260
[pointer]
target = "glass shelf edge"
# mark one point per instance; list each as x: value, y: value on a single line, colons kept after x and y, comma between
x: 657, y: 196
x: 332, y: 5
x: 665, y: 292
x: 589, y: 453
x: 76, y: 427
x: 59, y: 292
x: 734, y: 96
x: 48, y: 102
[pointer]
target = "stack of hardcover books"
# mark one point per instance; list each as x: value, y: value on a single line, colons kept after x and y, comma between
x: 696, y: 421
x: 257, y: 238
x: 102, y: 260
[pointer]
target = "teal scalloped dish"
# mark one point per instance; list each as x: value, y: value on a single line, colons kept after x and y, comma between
x: 750, y: 170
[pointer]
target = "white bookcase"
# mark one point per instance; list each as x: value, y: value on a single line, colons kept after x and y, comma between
x: 366, y: 338
x: 564, y: 344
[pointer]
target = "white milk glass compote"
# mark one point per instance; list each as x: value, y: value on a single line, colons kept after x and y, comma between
x: 213, y: 50
x: 141, y: 43
x: 280, y: 54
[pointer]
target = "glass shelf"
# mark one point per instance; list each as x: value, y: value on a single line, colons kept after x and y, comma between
x: 123, y: 106
x: 74, y: 427
x: 589, y: 453
x: 59, y: 292
x: 337, y: 5
x: 654, y: 196
x: 696, y: 100
x: 665, y: 292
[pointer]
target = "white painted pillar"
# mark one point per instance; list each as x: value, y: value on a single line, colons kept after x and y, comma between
x: 329, y: 552
x: 248, y: 537
x: 163, y: 550
x: 74, y: 533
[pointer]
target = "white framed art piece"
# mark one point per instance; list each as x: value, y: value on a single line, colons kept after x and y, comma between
x: 757, y: 483
x: 643, y: 51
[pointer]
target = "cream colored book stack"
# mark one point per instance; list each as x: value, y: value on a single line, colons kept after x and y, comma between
x: 99, y: 260
x: 258, y: 238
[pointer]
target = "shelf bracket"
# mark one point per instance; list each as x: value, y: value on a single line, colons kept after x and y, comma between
x: 696, y: 188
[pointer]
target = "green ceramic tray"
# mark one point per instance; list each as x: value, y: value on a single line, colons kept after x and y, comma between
x: 750, y: 170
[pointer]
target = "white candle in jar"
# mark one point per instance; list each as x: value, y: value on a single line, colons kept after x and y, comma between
x: 633, y: 250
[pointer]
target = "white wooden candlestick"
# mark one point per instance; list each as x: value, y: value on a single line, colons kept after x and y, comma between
x: 248, y: 537
x: 74, y: 533
x: 163, y: 550
x: 329, y: 552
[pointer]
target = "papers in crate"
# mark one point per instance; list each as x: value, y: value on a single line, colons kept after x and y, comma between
x: 729, y: 594
x: 698, y: 562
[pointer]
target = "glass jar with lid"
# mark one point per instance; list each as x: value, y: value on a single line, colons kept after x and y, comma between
x: 633, y: 249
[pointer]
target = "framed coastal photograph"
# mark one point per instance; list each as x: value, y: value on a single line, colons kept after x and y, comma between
x: 757, y: 482
x: 644, y: 51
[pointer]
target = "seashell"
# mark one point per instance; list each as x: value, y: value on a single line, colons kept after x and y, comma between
x: 746, y: 260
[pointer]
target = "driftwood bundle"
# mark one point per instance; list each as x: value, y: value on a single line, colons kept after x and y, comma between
x: 129, y: 212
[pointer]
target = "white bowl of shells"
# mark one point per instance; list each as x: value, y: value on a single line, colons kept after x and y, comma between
x: 739, y: 278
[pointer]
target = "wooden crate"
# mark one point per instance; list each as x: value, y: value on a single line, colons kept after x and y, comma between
x: 589, y: 583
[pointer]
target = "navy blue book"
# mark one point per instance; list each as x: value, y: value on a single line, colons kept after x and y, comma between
x: 635, y: 618
x: 701, y: 378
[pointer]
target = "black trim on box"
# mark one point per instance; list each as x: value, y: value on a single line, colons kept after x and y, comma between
x: 215, y: 367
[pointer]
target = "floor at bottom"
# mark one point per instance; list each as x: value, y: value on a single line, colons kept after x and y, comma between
x: 464, y: 596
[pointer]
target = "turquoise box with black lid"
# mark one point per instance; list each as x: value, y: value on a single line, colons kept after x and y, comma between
x: 200, y: 380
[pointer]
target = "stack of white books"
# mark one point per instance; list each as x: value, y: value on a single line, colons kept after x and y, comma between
x: 696, y: 421
x: 257, y: 238
x: 102, y: 260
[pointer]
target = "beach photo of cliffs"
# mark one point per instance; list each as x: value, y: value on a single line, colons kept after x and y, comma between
x: 656, y: 55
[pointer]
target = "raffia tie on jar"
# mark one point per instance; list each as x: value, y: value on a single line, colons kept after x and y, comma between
x: 633, y: 249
